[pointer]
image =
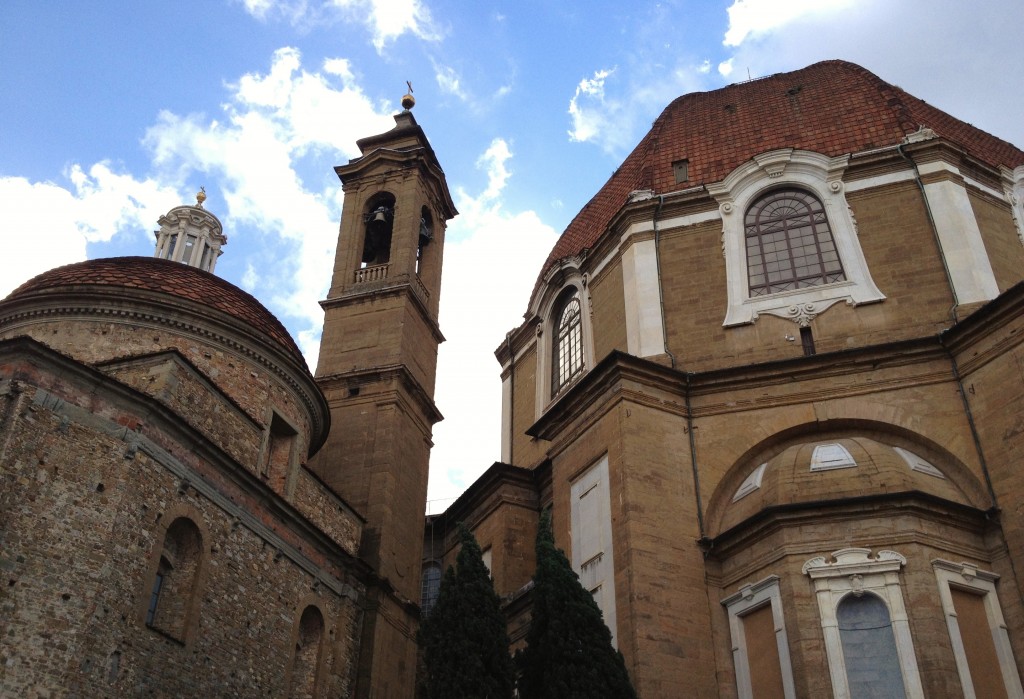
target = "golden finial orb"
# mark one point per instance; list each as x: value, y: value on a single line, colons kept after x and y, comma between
x: 200, y: 197
x: 408, y: 101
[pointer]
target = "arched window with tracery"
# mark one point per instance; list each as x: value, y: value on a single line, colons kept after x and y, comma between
x: 789, y: 243
x: 173, y: 591
x: 567, y: 347
x: 306, y: 662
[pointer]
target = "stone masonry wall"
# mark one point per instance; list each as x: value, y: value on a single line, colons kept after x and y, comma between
x: 85, y: 495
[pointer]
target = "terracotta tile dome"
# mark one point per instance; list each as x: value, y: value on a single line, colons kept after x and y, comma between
x: 173, y: 278
x: 832, y: 107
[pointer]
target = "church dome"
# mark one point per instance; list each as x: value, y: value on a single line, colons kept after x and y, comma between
x: 150, y: 274
x: 833, y: 108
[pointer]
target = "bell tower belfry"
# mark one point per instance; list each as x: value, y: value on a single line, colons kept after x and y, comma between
x: 378, y: 359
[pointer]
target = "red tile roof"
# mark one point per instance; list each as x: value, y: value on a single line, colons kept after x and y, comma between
x: 832, y: 107
x: 173, y: 278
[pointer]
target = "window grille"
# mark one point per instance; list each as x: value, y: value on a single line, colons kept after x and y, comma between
x: 789, y: 244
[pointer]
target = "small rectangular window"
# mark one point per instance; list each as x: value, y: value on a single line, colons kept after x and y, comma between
x: 681, y: 169
x: 807, y: 340
x: 154, y: 598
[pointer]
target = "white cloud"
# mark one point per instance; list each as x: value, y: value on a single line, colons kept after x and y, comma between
x: 588, y: 108
x: 936, y: 54
x: 449, y: 82
x: 271, y: 121
x: 491, y: 260
x: 386, y: 19
x: 389, y: 19
x: 54, y: 223
x: 493, y: 161
x: 705, y: 66
x: 615, y: 106
x: 750, y: 18
x: 725, y: 68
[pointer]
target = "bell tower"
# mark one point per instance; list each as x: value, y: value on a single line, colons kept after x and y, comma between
x: 378, y: 359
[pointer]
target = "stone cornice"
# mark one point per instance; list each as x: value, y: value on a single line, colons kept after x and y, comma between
x: 883, y: 505
x: 383, y: 375
x: 492, y: 483
x: 388, y: 287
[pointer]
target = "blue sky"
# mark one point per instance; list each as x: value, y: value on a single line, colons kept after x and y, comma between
x: 112, y: 113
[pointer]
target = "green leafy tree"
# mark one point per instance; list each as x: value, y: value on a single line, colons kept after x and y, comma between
x: 464, y: 638
x: 569, y: 653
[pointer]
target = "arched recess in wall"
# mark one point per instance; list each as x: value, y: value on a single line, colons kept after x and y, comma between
x: 307, y: 655
x: 818, y: 462
x: 174, y: 581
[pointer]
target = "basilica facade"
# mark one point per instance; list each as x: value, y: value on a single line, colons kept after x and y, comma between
x: 769, y: 384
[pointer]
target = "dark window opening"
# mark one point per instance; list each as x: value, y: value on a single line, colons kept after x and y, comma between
x: 807, y: 340
x: 426, y: 234
x: 277, y: 465
x: 154, y: 596
x: 379, y: 221
x: 172, y: 241
x: 789, y: 244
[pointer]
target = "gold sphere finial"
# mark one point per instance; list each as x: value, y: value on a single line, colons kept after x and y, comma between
x: 408, y: 101
x: 200, y: 197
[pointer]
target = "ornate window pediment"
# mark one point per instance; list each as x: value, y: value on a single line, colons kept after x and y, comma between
x: 807, y: 282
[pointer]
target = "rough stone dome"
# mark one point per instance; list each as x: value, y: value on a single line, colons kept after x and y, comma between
x: 135, y: 274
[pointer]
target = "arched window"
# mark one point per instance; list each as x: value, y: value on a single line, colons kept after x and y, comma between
x: 426, y: 234
x: 430, y: 587
x: 869, y: 647
x: 567, y: 345
x: 379, y: 220
x: 173, y: 592
x: 307, y: 653
x: 789, y: 243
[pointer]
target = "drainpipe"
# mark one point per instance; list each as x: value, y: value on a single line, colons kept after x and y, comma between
x: 935, y: 230
x: 511, y: 397
x: 970, y: 420
x: 688, y: 375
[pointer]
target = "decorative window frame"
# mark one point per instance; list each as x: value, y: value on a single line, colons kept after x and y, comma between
x: 558, y: 280
x: 831, y: 456
x: 751, y: 598
x: 821, y: 176
x: 969, y: 577
x: 1013, y: 190
x: 751, y: 483
x: 853, y: 572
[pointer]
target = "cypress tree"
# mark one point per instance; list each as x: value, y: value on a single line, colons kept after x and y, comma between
x: 569, y: 653
x: 464, y: 638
